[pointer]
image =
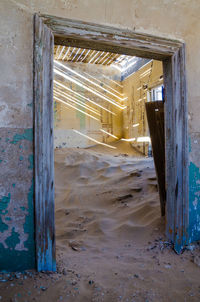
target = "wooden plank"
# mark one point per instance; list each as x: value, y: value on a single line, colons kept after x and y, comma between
x: 43, y: 144
x: 90, y: 35
x: 169, y: 148
x: 155, y: 117
x: 184, y: 203
x: 177, y: 204
x: 181, y: 194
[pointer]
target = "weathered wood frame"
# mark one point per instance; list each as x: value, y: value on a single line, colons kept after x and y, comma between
x: 50, y: 29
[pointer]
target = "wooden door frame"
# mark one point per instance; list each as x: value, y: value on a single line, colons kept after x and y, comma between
x: 50, y: 29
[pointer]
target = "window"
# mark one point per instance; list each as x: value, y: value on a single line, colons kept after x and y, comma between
x: 157, y: 93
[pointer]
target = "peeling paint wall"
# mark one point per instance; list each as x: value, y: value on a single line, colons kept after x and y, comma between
x: 194, y: 188
x: 16, y: 199
x: 162, y: 18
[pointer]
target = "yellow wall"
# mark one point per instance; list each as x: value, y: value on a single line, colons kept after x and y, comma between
x: 135, y: 87
x: 68, y: 119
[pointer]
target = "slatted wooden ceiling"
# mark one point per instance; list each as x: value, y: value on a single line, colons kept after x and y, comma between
x: 72, y: 54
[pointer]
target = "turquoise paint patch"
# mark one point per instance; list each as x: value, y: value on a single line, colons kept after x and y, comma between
x: 13, y: 239
x: 30, y: 159
x: 13, y: 260
x: 21, y: 158
x: 8, y: 218
x: 194, y: 202
x: 4, y: 201
x: 4, y: 212
x: 3, y: 226
x: 13, y: 185
x: 1, y: 160
x: 27, y: 135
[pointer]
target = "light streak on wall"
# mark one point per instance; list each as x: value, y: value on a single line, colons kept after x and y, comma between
x: 136, y: 125
x: 94, y: 140
x: 91, y: 82
x: 71, y: 99
x: 143, y: 139
x: 89, y: 75
x: 145, y: 73
x: 67, y: 104
x: 76, y: 99
x: 104, y: 131
x: 61, y: 73
x: 112, y: 81
x: 128, y: 139
x: 140, y: 139
x: 83, y: 97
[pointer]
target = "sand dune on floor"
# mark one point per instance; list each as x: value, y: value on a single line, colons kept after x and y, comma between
x: 104, y: 194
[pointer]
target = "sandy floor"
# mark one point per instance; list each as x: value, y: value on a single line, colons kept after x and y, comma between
x: 110, y: 237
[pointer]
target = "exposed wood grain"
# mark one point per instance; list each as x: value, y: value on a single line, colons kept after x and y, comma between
x: 43, y: 143
x: 86, y: 35
x: 155, y: 117
x: 177, y: 205
x: 170, y: 162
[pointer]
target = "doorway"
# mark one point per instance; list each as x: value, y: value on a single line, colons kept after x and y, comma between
x: 48, y: 30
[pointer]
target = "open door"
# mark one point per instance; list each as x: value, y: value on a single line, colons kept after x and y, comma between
x: 155, y: 118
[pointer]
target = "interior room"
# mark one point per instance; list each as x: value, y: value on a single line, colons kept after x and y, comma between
x: 106, y: 188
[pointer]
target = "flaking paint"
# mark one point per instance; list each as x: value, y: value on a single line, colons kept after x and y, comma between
x: 194, y: 202
x: 17, y: 247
